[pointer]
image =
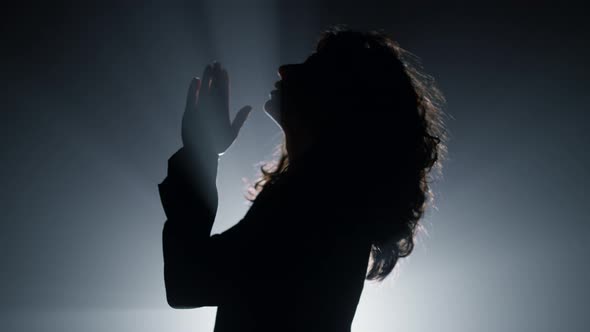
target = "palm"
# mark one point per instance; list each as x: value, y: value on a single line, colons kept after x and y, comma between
x: 206, y: 123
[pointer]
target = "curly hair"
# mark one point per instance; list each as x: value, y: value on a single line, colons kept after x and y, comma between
x: 403, y: 109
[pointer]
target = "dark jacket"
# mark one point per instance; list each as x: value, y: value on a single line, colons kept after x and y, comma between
x: 296, y: 261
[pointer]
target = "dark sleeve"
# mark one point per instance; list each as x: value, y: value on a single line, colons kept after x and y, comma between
x: 189, y: 198
x: 278, y: 242
x: 201, y: 269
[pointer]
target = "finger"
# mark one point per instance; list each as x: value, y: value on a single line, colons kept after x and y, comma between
x: 193, y: 91
x: 224, y: 86
x: 216, y: 78
x: 206, y: 80
x: 198, y: 90
x: 240, y: 119
x: 220, y: 85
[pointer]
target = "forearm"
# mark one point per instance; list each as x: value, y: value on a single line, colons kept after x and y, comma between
x: 189, y: 193
x: 188, y: 274
x: 189, y: 198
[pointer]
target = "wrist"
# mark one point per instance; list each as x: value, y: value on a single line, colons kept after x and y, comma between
x: 197, y: 165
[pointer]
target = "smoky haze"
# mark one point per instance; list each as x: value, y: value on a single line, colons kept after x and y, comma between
x: 91, y: 102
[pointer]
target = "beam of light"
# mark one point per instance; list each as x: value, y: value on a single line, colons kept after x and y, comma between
x: 243, y: 36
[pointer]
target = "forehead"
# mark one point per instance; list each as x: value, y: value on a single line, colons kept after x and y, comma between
x: 318, y: 66
x: 312, y: 64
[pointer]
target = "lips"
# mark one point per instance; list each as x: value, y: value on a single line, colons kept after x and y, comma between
x: 274, y: 97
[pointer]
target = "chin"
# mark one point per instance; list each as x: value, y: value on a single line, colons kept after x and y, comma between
x: 273, y: 110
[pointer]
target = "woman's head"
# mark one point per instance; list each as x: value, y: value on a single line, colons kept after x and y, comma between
x: 359, y: 97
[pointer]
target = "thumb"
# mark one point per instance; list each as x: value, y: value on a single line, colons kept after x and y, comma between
x: 240, y: 119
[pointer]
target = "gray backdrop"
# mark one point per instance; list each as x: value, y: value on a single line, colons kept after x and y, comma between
x: 91, y: 102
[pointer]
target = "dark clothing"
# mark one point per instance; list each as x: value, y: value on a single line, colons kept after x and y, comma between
x: 295, y: 262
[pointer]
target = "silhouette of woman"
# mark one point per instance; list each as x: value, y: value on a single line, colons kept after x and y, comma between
x: 362, y: 133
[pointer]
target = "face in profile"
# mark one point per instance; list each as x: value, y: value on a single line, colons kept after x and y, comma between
x: 272, y: 107
x: 289, y: 93
x: 275, y: 107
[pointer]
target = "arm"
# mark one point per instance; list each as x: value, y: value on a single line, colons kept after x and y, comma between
x: 189, y: 194
x: 190, y: 204
x: 286, y: 238
x: 200, y: 269
x: 203, y: 270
